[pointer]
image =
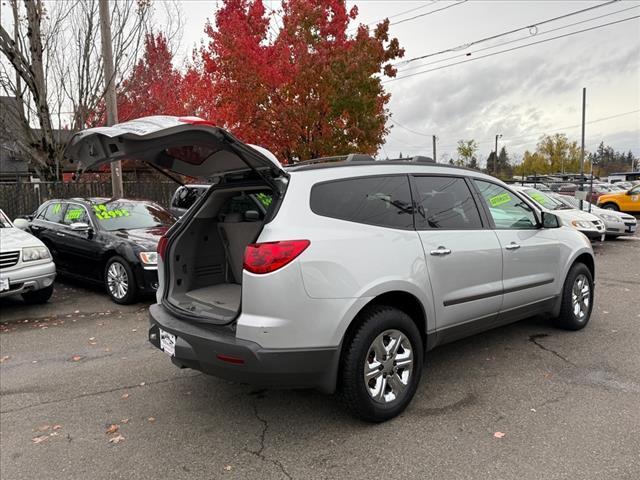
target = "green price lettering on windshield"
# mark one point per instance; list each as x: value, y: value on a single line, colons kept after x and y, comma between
x: 56, y: 208
x: 538, y: 198
x: 499, y: 199
x: 103, y: 214
x: 264, y: 199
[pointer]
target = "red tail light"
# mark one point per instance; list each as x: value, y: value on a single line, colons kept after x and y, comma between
x: 270, y: 256
x: 162, y: 247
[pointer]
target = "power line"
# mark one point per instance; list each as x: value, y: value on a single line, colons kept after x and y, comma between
x: 430, y: 12
x: 512, y: 49
x: 408, y: 129
x: 375, y: 22
x: 493, y: 37
x: 529, y: 135
x: 508, y: 42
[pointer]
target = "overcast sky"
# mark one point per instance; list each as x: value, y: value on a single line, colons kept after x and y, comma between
x: 519, y: 94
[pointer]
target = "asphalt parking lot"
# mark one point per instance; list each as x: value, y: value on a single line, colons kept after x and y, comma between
x: 84, y: 395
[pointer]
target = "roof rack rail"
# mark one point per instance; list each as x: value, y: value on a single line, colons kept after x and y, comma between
x: 352, y: 157
x: 414, y: 159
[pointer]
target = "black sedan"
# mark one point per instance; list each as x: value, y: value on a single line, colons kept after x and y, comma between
x: 108, y: 241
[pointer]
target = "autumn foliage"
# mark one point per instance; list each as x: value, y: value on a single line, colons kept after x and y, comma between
x: 300, y: 82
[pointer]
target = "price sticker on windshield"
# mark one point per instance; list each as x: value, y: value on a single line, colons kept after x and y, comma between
x: 500, y: 199
x: 104, y: 214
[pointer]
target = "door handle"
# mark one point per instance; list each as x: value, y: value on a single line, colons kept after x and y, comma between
x: 60, y: 234
x: 440, y: 251
x: 512, y: 246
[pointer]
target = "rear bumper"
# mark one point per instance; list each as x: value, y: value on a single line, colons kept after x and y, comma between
x: 200, y: 347
x: 28, y: 278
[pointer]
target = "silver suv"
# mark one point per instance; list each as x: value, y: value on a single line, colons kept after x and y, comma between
x: 351, y: 271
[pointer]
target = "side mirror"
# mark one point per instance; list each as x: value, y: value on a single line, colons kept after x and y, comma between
x: 79, y: 227
x: 251, y: 215
x: 628, y: 192
x: 21, y: 223
x: 549, y: 220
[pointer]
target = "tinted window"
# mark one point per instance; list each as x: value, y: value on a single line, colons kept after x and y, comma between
x: 76, y: 214
x: 506, y: 208
x: 445, y: 202
x: 186, y: 196
x: 382, y: 201
x: 129, y: 215
x: 258, y: 202
x: 54, y: 212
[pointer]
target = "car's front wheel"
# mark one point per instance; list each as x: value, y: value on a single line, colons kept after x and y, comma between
x: 611, y: 206
x: 577, y: 298
x: 381, y: 365
x: 120, y: 281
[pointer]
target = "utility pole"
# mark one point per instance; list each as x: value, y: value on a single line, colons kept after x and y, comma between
x: 495, y: 158
x: 110, y: 91
x: 435, y: 157
x: 584, y: 108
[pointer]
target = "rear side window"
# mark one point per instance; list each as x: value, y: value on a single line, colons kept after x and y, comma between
x: 54, y: 212
x: 446, y: 203
x: 76, y: 214
x: 383, y: 201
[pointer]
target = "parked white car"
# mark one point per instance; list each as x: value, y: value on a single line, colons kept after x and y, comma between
x: 616, y: 223
x: 584, y: 222
x: 26, y: 267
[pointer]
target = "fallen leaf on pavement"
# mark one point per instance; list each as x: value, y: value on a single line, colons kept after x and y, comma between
x: 499, y: 434
x: 4, y: 358
x: 117, y: 439
x: 152, y: 419
x: 76, y: 358
x: 113, y: 428
x: 56, y: 427
x: 77, y: 311
x: 124, y: 420
x: 91, y: 339
x: 142, y: 384
x: 44, y: 428
x: 93, y: 343
x: 533, y: 410
x: 124, y: 396
x: 40, y: 439
x: 228, y: 468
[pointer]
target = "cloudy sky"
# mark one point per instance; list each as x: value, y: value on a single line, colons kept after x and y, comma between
x: 519, y: 94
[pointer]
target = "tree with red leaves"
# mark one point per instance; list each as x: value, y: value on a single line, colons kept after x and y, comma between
x: 154, y: 86
x: 309, y: 89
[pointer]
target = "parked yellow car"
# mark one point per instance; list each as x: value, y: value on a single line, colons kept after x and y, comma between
x: 628, y: 201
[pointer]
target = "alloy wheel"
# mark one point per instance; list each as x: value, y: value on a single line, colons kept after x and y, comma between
x: 117, y: 280
x: 580, y: 297
x: 388, y: 366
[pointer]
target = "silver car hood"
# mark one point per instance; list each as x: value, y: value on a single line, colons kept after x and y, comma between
x: 15, y: 239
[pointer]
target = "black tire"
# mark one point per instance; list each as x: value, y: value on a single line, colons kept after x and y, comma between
x: 35, y: 297
x: 352, y: 387
x: 611, y: 206
x: 131, y: 293
x: 568, y: 319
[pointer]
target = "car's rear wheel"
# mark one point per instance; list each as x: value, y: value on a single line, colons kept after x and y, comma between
x: 577, y: 298
x: 381, y: 365
x: 38, y: 296
x: 611, y: 206
x: 120, y: 281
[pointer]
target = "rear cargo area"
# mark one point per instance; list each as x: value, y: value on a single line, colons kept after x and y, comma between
x: 205, y: 273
